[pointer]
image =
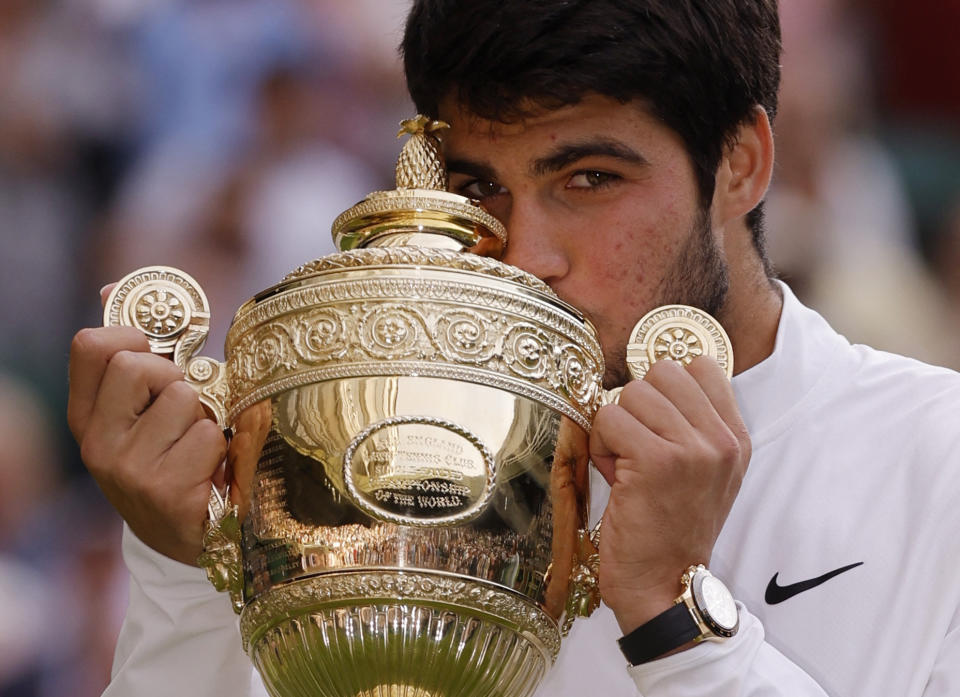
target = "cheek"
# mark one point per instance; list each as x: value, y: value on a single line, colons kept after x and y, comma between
x: 636, y: 255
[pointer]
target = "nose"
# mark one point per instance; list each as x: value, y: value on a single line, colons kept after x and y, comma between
x: 534, y: 242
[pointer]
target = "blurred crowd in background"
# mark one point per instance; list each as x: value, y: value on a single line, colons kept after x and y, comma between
x: 223, y: 137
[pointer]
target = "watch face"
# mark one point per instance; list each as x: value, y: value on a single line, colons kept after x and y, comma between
x: 715, y: 603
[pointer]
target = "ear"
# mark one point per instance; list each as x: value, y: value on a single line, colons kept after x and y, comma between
x: 745, y: 170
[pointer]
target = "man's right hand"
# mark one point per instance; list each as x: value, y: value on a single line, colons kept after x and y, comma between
x: 144, y: 437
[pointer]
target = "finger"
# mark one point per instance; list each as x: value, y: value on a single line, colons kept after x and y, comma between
x: 90, y: 353
x: 131, y: 381
x: 105, y: 293
x: 196, y: 456
x: 617, y: 435
x: 169, y: 416
x: 643, y: 400
x: 682, y: 389
x: 718, y: 389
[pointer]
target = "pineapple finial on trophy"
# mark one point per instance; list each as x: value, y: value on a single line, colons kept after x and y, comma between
x: 421, y: 164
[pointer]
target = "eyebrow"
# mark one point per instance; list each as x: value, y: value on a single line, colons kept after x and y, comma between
x: 561, y: 157
x: 472, y: 168
x: 565, y: 155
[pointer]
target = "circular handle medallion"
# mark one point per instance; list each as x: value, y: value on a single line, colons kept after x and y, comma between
x: 677, y: 333
x: 160, y: 301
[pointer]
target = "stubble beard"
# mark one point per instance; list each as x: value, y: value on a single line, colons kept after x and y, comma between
x: 699, y: 277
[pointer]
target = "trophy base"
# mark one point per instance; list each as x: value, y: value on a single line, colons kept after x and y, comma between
x: 431, y: 635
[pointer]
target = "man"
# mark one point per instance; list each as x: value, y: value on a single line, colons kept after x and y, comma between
x: 627, y: 147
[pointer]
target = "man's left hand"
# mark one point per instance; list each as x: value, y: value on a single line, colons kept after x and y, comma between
x: 674, y: 451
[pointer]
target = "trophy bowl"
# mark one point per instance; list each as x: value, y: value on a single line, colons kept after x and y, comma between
x: 420, y: 437
x: 408, y: 423
x: 408, y: 444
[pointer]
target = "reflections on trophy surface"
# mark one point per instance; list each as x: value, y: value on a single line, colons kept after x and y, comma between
x: 415, y: 471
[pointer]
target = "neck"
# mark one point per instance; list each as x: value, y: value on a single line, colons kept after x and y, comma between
x: 751, y: 313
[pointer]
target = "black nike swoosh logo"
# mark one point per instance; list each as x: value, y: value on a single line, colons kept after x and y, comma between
x: 777, y: 593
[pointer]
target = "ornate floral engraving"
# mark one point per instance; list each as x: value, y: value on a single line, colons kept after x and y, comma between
x: 392, y: 332
x: 576, y: 376
x: 677, y: 344
x: 526, y: 351
x: 361, y: 322
x: 321, y: 335
x: 468, y: 335
x: 207, y: 377
x: 454, y: 593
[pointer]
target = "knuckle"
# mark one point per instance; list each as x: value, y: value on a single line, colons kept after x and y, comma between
x: 181, y: 393
x: 75, y: 419
x: 207, y: 429
x: 87, y: 341
x: 105, y: 341
x: 635, y: 394
x: 91, y: 454
x: 129, y: 363
x: 634, y: 388
x: 602, y: 417
x: 728, y: 446
x: 706, y: 369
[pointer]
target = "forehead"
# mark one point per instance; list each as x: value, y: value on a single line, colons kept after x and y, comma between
x: 595, y: 116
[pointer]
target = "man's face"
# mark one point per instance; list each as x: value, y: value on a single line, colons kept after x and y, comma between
x: 600, y: 201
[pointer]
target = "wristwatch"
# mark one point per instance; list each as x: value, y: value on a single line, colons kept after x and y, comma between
x: 704, y: 611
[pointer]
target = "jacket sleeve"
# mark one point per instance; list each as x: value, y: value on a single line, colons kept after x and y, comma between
x: 179, y: 636
x: 744, y: 666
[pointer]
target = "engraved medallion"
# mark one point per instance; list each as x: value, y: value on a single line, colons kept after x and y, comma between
x: 419, y: 471
x: 162, y: 302
x: 678, y: 333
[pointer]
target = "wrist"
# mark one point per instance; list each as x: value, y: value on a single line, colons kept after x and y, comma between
x: 704, y: 610
x: 639, y: 607
x: 643, y: 598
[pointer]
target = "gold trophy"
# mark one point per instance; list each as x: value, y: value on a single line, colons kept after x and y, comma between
x: 408, y: 425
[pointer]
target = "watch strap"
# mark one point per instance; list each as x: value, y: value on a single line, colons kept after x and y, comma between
x: 667, y: 631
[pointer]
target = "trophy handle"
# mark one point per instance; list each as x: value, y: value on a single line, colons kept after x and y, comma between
x: 584, y: 596
x: 171, y: 310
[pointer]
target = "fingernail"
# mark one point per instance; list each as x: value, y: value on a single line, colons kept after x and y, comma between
x: 102, y: 290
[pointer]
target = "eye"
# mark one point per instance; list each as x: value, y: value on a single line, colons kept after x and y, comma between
x: 481, y: 189
x: 591, y: 179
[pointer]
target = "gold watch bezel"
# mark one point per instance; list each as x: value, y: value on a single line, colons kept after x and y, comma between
x: 710, y: 629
